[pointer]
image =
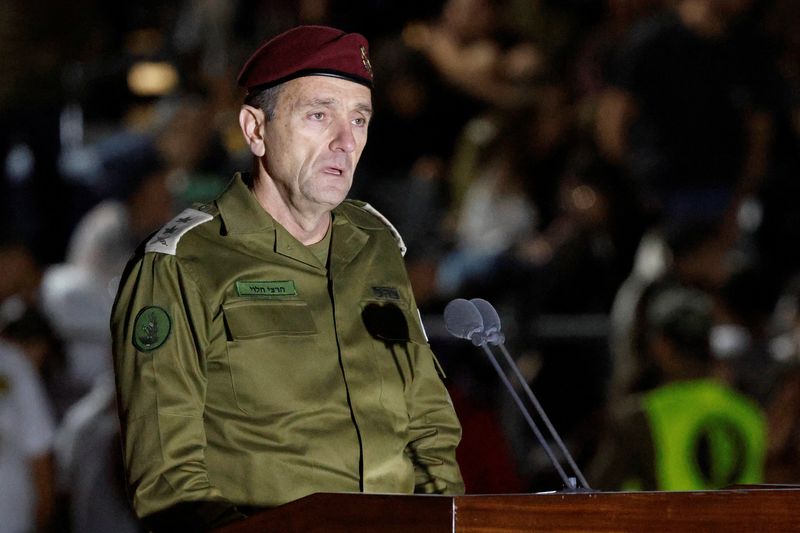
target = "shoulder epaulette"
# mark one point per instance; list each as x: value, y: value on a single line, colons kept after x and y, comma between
x: 165, y: 241
x: 369, y: 211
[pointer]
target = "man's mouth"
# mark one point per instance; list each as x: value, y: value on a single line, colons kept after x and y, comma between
x: 334, y: 170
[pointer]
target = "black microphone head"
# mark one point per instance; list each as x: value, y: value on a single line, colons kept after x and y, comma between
x: 491, y: 320
x: 463, y: 320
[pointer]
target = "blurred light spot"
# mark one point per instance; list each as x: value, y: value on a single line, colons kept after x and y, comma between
x: 80, y: 165
x: 19, y: 163
x: 481, y: 130
x: 12, y: 309
x: 729, y: 341
x: 750, y: 215
x: 584, y: 197
x: 782, y: 349
x: 148, y: 78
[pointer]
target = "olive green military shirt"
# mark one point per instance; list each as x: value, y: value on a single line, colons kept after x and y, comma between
x: 248, y: 372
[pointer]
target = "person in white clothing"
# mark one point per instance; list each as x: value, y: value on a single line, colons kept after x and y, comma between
x: 26, y: 439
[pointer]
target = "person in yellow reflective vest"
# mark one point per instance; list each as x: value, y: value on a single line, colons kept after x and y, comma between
x: 694, y: 432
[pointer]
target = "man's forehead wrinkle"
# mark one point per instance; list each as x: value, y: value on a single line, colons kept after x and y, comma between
x: 325, y: 102
x: 331, y: 102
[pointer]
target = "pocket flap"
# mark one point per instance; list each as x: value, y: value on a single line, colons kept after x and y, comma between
x: 247, y: 320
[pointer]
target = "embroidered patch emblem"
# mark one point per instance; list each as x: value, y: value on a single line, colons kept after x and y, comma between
x: 266, y: 289
x: 386, y: 293
x: 151, y: 328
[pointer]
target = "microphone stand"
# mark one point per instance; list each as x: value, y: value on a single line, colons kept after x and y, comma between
x: 478, y: 321
x: 570, y: 484
x: 492, y: 334
x: 577, y: 471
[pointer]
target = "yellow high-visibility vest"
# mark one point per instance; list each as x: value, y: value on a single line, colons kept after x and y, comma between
x: 705, y: 436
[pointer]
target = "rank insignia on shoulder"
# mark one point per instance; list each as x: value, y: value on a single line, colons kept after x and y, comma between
x: 151, y: 328
x: 165, y: 241
x: 396, y: 234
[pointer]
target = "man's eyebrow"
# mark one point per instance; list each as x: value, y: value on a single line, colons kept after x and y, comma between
x: 331, y: 102
x: 364, y: 108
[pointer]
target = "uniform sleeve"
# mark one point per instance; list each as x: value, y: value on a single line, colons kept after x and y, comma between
x: 434, y: 429
x: 159, y: 324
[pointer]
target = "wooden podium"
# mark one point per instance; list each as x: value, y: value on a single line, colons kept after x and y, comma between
x: 747, y: 509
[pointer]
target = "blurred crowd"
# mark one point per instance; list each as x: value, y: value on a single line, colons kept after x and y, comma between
x: 618, y: 177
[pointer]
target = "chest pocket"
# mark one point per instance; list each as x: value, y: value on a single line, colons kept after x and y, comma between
x: 273, y: 355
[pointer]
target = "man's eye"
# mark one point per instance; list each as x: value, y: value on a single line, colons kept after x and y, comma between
x: 317, y: 116
x: 359, y: 121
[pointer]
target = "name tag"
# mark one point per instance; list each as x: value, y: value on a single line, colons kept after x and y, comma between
x: 266, y: 289
x: 386, y: 293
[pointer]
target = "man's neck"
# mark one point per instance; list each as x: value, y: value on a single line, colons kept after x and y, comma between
x: 308, y: 226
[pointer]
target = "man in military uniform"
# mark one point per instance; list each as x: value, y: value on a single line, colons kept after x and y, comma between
x: 268, y: 346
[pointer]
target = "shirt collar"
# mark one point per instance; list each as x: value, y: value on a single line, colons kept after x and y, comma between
x: 242, y: 214
x: 240, y: 211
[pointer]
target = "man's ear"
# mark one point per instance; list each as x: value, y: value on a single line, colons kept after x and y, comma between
x: 251, y: 120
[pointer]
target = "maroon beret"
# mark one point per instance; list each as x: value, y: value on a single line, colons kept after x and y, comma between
x: 308, y: 51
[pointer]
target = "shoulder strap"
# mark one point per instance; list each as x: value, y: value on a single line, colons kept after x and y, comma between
x: 165, y: 241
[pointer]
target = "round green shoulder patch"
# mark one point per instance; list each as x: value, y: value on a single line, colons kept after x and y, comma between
x: 151, y: 328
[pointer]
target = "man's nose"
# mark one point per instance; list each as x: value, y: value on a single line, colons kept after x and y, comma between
x: 344, y: 140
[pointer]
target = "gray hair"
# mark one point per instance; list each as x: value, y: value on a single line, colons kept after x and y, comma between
x: 265, y: 99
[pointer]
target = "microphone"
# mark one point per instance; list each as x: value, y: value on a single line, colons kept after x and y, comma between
x: 463, y: 320
x: 491, y: 322
x: 490, y: 333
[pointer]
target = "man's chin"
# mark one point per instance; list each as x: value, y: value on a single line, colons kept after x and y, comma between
x: 328, y: 201
x: 331, y: 196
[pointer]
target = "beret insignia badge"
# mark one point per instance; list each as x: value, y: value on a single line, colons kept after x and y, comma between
x: 365, y: 61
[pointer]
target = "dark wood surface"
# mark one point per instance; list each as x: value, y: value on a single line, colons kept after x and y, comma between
x: 729, y: 511
x: 773, y: 509
x: 353, y: 513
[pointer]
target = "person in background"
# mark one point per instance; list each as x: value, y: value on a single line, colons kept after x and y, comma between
x: 90, y: 477
x: 268, y: 345
x: 32, y: 334
x: 22, y: 274
x: 76, y: 295
x: 76, y: 298
x: 694, y: 432
x: 687, y: 253
x: 26, y: 438
x: 688, y: 111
